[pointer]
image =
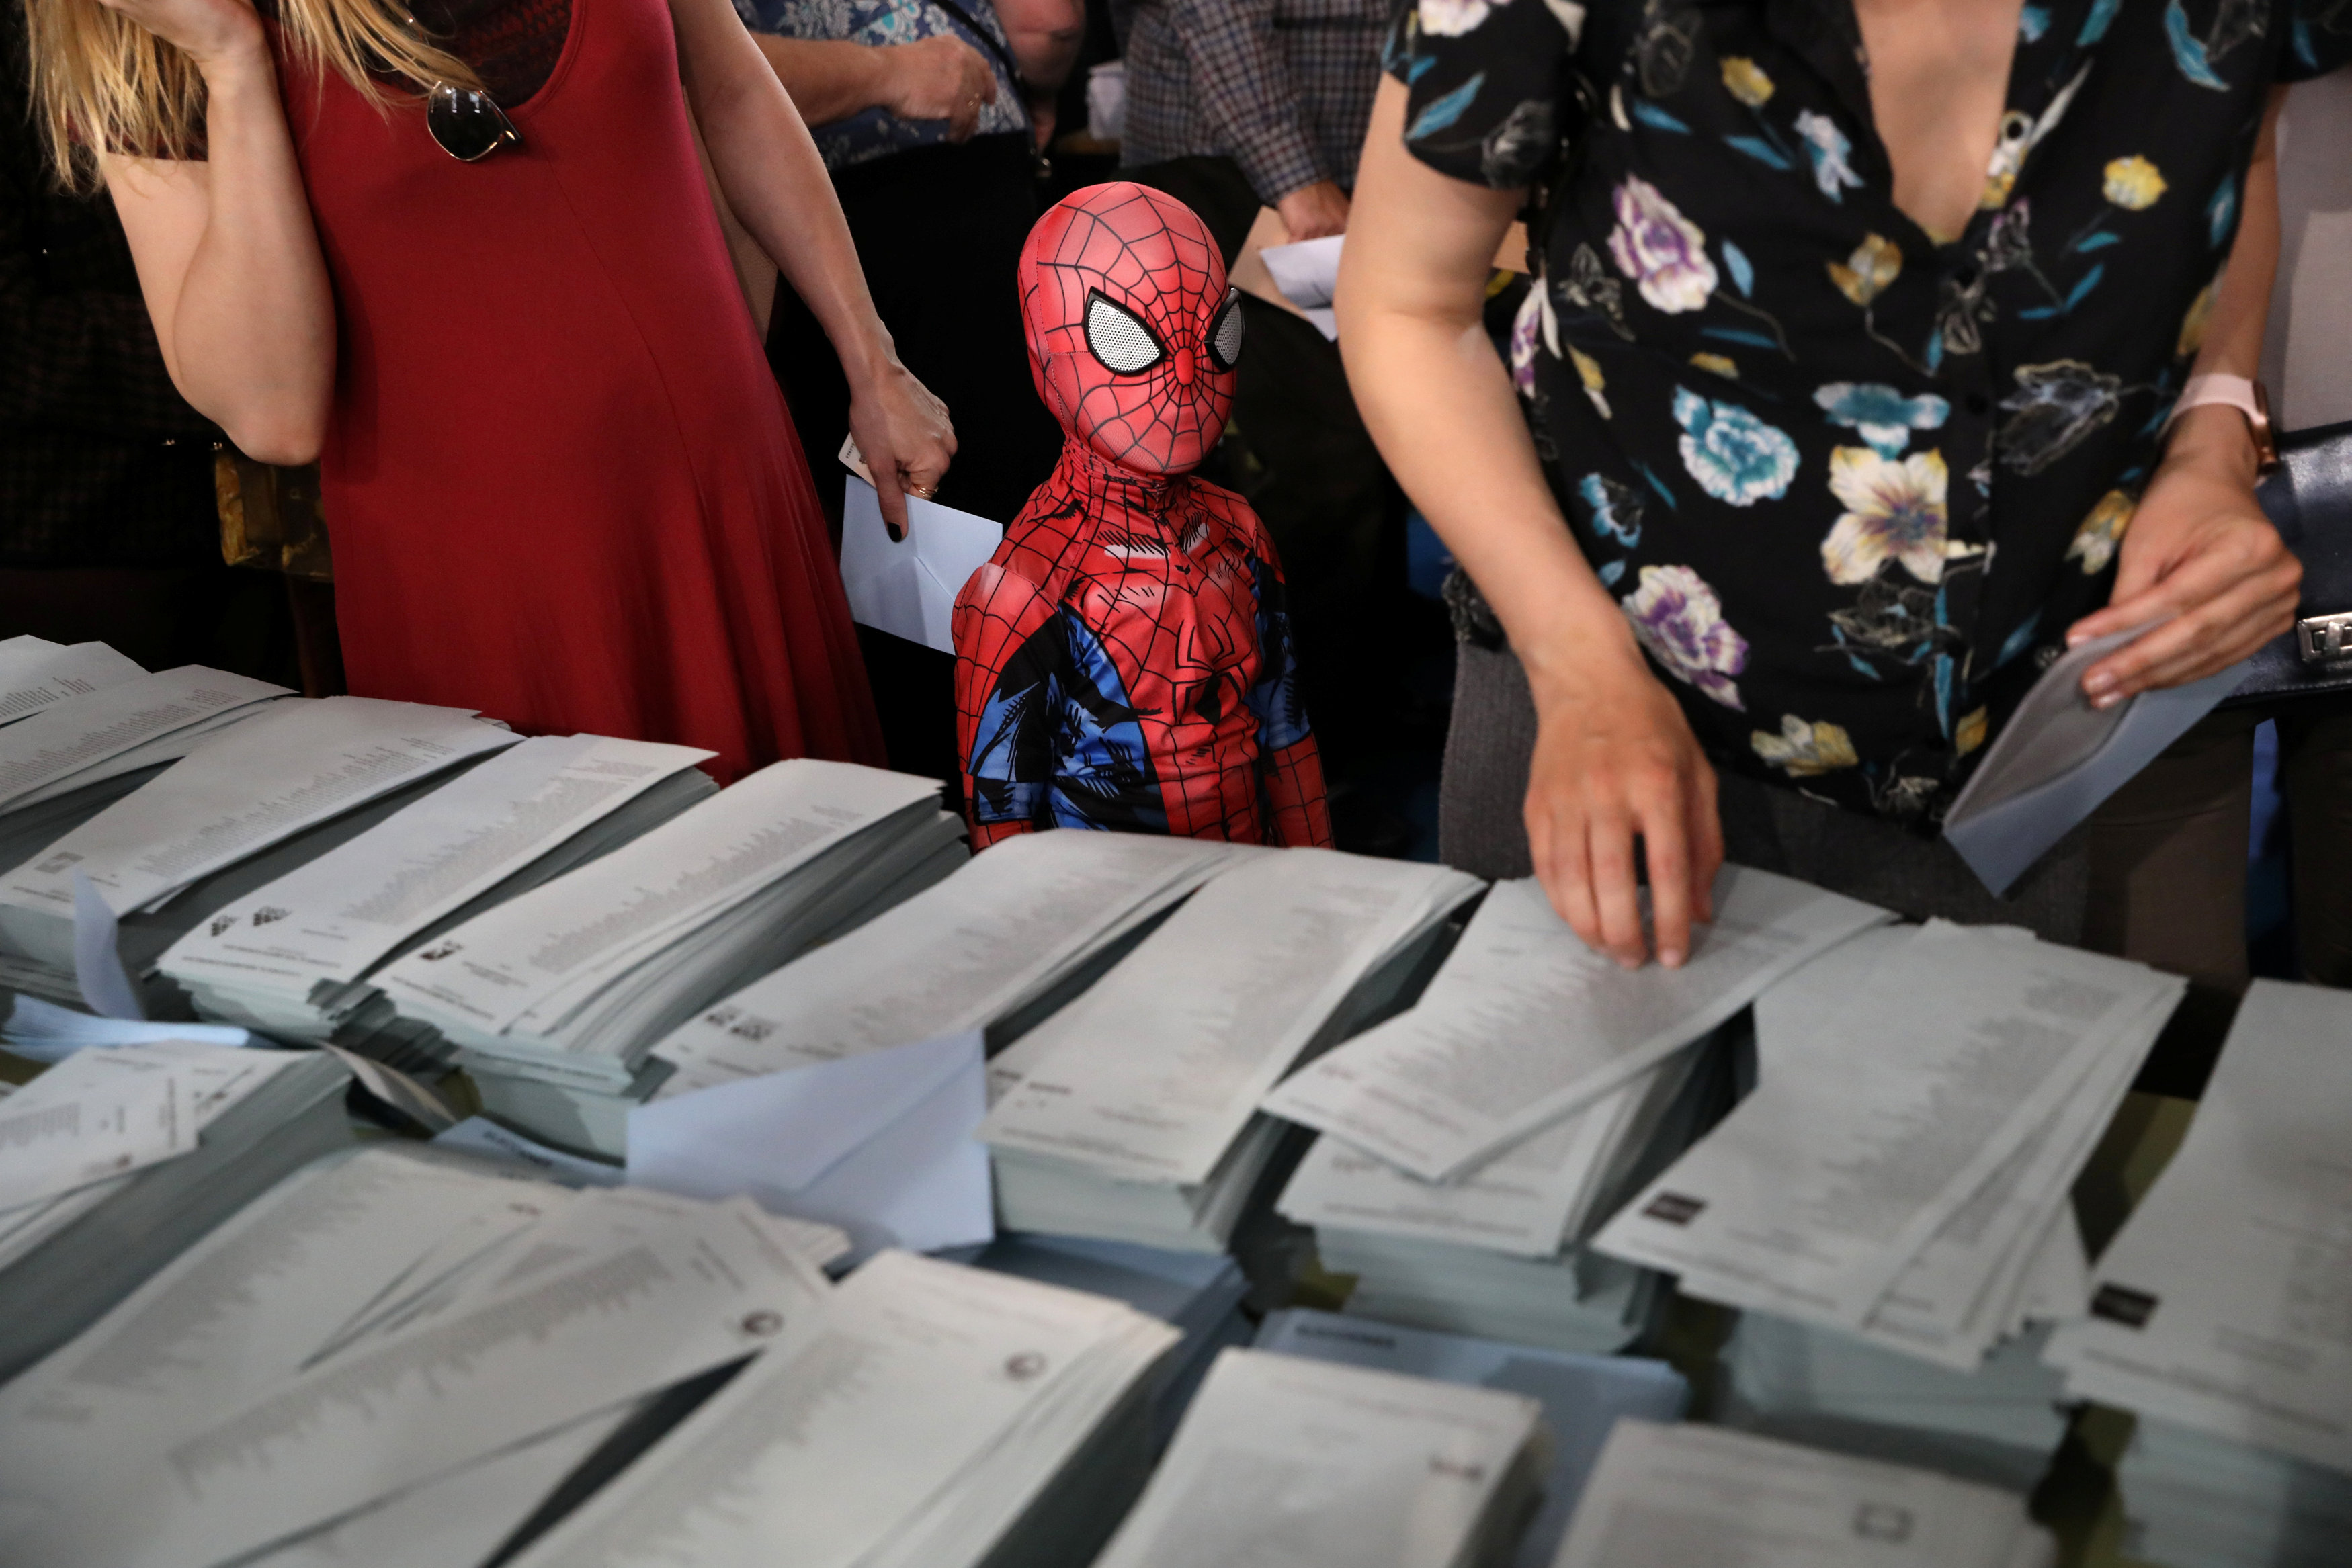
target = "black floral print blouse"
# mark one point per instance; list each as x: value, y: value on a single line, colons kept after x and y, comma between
x: 1850, y: 481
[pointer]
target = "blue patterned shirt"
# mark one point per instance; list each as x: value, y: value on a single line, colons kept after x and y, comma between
x: 879, y: 24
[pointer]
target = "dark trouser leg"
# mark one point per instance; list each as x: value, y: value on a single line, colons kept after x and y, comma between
x: 2315, y: 765
x: 2169, y: 886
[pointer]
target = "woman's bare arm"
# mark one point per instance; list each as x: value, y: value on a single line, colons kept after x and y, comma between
x: 1614, y: 758
x: 227, y: 257
x: 772, y: 178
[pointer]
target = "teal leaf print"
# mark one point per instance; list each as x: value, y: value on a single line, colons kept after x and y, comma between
x: 2094, y: 26
x: 2098, y: 240
x: 2189, y: 51
x: 1657, y: 119
x: 1444, y: 112
x: 2090, y: 281
x: 1420, y: 68
x: 1610, y: 574
x: 2222, y: 211
x: 2032, y: 21
x: 1739, y: 335
x: 1755, y: 147
x: 1734, y: 261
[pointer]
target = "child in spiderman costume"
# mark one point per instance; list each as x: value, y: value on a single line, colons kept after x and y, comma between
x: 1123, y: 660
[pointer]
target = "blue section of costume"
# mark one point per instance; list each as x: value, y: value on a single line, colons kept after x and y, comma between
x: 1281, y: 713
x: 1059, y: 742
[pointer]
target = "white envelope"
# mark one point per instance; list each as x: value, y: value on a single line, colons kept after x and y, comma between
x: 1307, y: 273
x: 880, y: 1144
x: 907, y: 586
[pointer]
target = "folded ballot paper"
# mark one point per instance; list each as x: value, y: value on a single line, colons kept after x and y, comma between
x: 36, y: 672
x: 929, y: 1416
x: 296, y: 958
x: 275, y: 790
x: 879, y: 1145
x: 1010, y: 932
x: 573, y: 983
x: 1926, y: 1097
x: 1496, y: 1252
x: 1582, y: 1395
x: 1526, y: 1025
x: 119, y: 727
x: 1307, y: 273
x: 118, y: 1156
x: 2221, y: 1305
x: 1312, y: 1463
x: 380, y: 1322
x: 907, y: 586
x: 1699, y: 1496
x: 1130, y: 1115
x: 2058, y: 757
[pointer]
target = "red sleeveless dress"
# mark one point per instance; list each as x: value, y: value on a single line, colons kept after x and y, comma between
x: 559, y: 475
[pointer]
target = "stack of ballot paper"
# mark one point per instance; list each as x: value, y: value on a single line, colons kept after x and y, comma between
x: 1680, y: 1497
x: 555, y: 998
x: 2194, y: 1500
x: 1495, y: 1253
x: 1016, y: 928
x: 932, y: 1415
x: 294, y: 958
x: 2222, y: 1304
x: 117, y: 1157
x: 1926, y: 1097
x: 1130, y: 1115
x: 369, y: 1336
x: 1582, y: 1395
x: 1830, y: 1389
x: 1195, y: 1294
x: 274, y: 791
x: 1314, y: 1465
x: 36, y: 672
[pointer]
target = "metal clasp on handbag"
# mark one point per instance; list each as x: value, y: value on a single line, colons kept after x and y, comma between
x: 2323, y: 639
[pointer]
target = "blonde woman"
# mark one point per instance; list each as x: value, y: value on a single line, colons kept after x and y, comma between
x: 467, y: 259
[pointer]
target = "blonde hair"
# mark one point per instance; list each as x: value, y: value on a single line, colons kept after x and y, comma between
x: 102, y: 80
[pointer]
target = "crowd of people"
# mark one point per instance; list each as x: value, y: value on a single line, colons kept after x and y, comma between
x: 1871, y: 353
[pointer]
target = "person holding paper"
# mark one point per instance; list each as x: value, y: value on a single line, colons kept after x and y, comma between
x: 467, y: 259
x: 1852, y: 357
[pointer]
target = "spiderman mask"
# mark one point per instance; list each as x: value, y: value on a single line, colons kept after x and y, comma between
x: 1133, y: 329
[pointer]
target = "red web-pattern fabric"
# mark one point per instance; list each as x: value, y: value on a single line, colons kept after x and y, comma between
x: 1147, y: 251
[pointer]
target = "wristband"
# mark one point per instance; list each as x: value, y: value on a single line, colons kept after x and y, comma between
x: 2247, y: 397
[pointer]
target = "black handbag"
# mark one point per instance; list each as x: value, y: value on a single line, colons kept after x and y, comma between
x: 2309, y: 496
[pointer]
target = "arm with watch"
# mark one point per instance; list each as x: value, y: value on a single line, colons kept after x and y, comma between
x: 2198, y: 553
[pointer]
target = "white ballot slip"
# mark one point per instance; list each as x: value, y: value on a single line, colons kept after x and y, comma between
x: 2221, y: 1305
x: 880, y: 1144
x: 956, y: 957
x: 69, y: 739
x: 96, y: 1115
x: 904, y: 1426
x: 286, y: 770
x: 1525, y: 1024
x: 907, y: 586
x: 1315, y: 1465
x: 2058, y: 757
x: 34, y: 673
x: 345, y: 911
x: 1307, y: 273
x: 1866, y: 1136
x: 1582, y: 1396
x: 1153, y: 1073
x: 1700, y: 1497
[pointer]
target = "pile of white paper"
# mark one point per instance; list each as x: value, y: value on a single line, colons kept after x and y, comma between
x: 2194, y: 1500
x: 1196, y: 1294
x: 1695, y: 1497
x: 1526, y: 1025
x: 274, y: 791
x: 36, y: 672
x: 1315, y: 1465
x: 118, y: 1156
x: 932, y: 1415
x: 1130, y: 1115
x: 2225, y: 1304
x: 293, y: 957
x: 1998, y: 1424
x: 1926, y: 1097
x: 378, y: 1324
x: 1495, y: 1253
x: 569, y: 985
x: 1016, y: 925
x: 1582, y: 1395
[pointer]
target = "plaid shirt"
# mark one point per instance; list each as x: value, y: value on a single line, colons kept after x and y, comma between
x: 1282, y: 87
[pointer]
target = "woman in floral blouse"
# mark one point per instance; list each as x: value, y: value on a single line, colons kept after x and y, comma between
x: 1855, y: 328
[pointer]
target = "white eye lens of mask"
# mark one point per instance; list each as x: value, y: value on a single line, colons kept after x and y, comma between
x: 1226, y: 332
x: 1118, y: 339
